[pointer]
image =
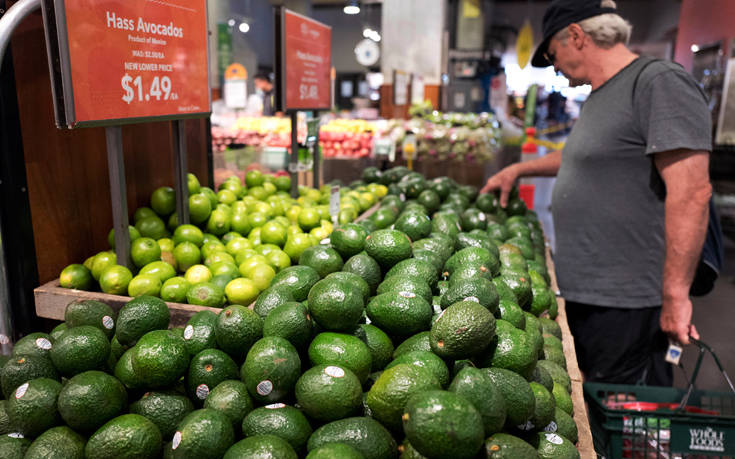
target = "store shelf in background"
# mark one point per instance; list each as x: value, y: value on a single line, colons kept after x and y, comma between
x: 584, y: 443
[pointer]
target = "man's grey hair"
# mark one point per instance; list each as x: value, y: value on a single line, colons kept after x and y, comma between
x: 605, y: 30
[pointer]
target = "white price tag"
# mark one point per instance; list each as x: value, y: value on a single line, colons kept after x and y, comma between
x: 334, y: 202
x: 673, y: 353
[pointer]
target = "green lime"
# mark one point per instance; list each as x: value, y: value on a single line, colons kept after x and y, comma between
x: 237, y: 245
x: 102, y: 261
x: 309, y: 218
x: 192, y: 182
x: 186, y: 255
x: 241, y: 291
x: 144, y: 284
x: 254, y: 178
x: 144, y: 250
x: 189, y: 233
x: 278, y: 259
x: 273, y: 233
x: 143, y: 212
x: 115, y: 280
x: 217, y: 257
x: 226, y: 196
x: 163, y: 270
x: 152, y: 227
x: 250, y: 263
x: 199, y: 207
x: 261, y: 275
x: 224, y: 267
x: 296, y: 244
x: 197, y: 274
x: 76, y: 276
x: 163, y: 201
x: 174, y: 290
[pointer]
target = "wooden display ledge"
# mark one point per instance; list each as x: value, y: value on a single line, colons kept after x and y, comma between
x: 51, y: 298
x: 584, y: 443
x: 51, y: 301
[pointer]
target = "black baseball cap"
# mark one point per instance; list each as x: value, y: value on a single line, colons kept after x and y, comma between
x: 560, y: 14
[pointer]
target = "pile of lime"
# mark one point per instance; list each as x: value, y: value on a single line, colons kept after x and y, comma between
x: 239, y: 239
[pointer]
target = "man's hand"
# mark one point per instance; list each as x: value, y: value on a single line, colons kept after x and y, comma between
x: 676, y: 319
x: 503, y: 181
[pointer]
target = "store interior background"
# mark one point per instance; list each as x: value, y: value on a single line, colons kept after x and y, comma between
x: 50, y: 163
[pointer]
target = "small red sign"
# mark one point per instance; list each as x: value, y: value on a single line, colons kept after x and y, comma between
x: 137, y: 59
x: 307, y: 62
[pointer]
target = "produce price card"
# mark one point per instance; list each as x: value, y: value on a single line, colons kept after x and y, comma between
x: 307, y: 54
x: 125, y: 60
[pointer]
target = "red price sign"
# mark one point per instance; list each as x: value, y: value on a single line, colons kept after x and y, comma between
x: 306, y: 62
x: 126, y: 60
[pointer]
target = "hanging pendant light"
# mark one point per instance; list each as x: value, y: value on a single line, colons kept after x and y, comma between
x: 352, y: 7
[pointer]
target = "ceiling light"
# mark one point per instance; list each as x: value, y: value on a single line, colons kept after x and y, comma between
x: 367, y: 32
x: 244, y: 27
x: 695, y: 48
x: 231, y: 22
x: 352, y: 8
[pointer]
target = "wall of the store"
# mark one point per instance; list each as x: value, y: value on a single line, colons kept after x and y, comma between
x: 412, y: 38
x: 704, y: 26
x: 255, y: 49
x: 346, y: 33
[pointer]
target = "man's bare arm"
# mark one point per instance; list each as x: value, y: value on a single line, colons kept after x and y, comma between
x: 546, y: 166
x: 688, y: 190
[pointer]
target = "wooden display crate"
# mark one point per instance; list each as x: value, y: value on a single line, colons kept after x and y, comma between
x: 51, y: 301
x: 51, y: 298
x: 584, y: 443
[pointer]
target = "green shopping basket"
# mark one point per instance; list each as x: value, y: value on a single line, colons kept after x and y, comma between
x: 646, y: 422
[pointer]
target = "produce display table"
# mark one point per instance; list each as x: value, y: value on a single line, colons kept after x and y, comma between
x: 51, y: 301
x: 584, y: 444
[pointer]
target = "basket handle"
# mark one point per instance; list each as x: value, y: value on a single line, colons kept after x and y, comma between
x: 702, y: 348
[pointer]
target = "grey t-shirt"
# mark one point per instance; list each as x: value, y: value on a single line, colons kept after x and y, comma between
x: 608, y: 200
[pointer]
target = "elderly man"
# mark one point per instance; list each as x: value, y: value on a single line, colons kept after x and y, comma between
x: 630, y: 204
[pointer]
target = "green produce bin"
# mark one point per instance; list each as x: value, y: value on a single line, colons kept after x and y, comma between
x: 629, y: 421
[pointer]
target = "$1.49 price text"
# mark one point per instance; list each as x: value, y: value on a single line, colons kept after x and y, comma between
x: 136, y: 89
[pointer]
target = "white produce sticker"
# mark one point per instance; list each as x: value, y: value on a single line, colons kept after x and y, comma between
x: 176, y: 440
x: 335, y: 372
x: 108, y: 322
x: 188, y: 332
x: 472, y: 298
x: 554, y: 438
x: 326, y: 241
x: 16, y: 435
x: 202, y: 391
x: 275, y: 406
x: 482, y: 217
x: 551, y: 427
x: 407, y: 294
x: 43, y: 343
x: 264, y: 387
x: 21, y: 390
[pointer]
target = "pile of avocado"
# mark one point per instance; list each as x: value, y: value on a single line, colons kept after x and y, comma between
x: 425, y: 330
